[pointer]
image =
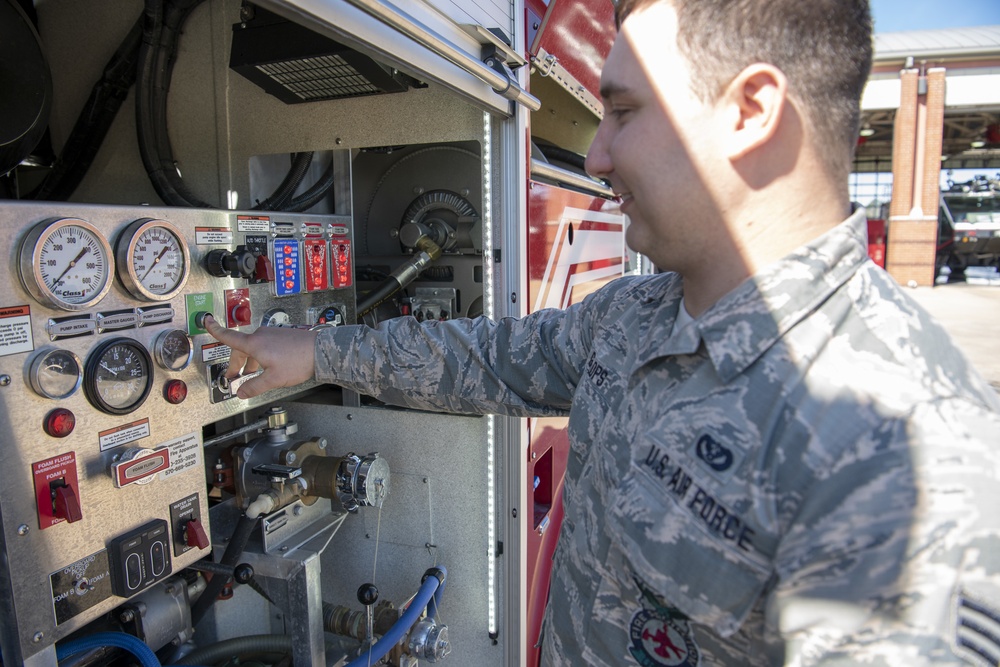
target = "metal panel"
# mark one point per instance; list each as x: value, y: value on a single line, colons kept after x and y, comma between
x: 31, y: 554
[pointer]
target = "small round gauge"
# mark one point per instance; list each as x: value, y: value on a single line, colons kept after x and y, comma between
x: 172, y: 350
x: 66, y: 263
x: 54, y: 373
x: 153, y: 259
x: 276, y: 317
x: 118, y: 376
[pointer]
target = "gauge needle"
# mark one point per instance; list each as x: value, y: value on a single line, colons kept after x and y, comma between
x: 71, y: 264
x: 155, y: 262
x: 105, y: 367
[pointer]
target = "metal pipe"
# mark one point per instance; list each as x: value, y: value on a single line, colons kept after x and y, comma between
x: 410, y: 27
x: 545, y: 170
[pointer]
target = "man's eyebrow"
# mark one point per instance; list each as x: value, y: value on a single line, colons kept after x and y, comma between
x: 612, y: 88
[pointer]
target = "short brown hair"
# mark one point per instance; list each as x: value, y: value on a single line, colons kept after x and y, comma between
x: 824, y: 48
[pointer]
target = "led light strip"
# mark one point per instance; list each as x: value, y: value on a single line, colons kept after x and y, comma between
x: 488, y: 305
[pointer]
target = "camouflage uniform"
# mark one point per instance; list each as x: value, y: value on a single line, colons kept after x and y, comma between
x: 805, y: 474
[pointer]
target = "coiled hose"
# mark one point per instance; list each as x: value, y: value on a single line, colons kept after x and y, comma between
x: 102, y: 639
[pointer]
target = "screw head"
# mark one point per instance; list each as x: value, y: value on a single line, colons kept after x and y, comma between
x: 23, y: 529
x: 38, y: 636
x: 4, y: 380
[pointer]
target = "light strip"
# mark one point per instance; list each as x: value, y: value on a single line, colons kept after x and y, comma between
x: 488, y: 305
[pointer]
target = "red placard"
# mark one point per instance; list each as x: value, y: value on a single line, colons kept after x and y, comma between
x: 62, y: 467
x: 343, y: 272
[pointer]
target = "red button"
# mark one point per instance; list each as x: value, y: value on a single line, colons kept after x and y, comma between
x: 175, y: 391
x: 59, y: 423
x: 241, y: 315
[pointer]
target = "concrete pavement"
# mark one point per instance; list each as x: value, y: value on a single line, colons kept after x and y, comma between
x: 971, y: 314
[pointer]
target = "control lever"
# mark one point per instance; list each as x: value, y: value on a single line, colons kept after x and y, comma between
x: 368, y: 596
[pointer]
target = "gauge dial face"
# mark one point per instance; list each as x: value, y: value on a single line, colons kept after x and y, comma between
x: 153, y: 260
x: 55, y: 373
x: 67, y: 264
x: 173, y: 350
x: 118, y: 376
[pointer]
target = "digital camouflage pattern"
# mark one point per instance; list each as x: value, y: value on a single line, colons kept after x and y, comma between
x: 805, y: 474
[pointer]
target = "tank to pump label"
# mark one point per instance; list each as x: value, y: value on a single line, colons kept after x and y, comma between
x: 80, y: 586
x: 340, y: 250
x: 285, y: 253
x: 15, y: 330
x: 316, y: 265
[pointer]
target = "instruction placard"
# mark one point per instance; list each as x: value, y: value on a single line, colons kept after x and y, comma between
x: 15, y: 330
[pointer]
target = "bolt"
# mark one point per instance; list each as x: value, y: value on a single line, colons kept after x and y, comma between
x: 246, y: 453
x: 39, y: 636
x: 290, y: 457
x: 425, y: 480
x: 338, y: 141
x: 297, y: 510
x: 23, y: 529
x: 534, y: 455
x: 283, y: 549
x: 350, y: 417
x: 127, y: 616
x: 4, y: 380
x: 322, y: 443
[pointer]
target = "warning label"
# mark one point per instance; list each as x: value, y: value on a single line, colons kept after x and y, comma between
x: 213, y: 235
x: 125, y: 433
x: 15, y: 330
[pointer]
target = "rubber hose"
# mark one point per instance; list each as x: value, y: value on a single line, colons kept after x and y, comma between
x: 230, y: 558
x: 311, y: 197
x: 427, y: 592
x: 102, y: 639
x: 281, y: 196
x: 379, y: 295
x: 94, y: 121
x: 209, y: 655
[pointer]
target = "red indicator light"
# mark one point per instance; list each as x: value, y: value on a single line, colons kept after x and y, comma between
x: 288, y: 261
x: 288, y: 250
x: 175, y: 391
x: 59, y: 423
x: 289, y: 284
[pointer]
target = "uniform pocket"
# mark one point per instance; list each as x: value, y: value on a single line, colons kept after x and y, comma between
x: 687, y: 544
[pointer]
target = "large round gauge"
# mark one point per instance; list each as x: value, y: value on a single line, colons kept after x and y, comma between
x: 66, y: 263
x: 54, y: 373
x: 153, y: 260
x: 118, y: 376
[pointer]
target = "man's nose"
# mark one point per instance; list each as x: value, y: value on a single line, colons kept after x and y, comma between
x: 598, y: 162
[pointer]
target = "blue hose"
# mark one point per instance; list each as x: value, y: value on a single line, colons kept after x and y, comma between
x: 102, y: 639
x: 429, y: 595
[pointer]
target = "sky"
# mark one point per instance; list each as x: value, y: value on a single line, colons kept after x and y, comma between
x: 897, y: 15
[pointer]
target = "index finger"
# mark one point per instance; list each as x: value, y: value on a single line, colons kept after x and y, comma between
x: 237, y: 355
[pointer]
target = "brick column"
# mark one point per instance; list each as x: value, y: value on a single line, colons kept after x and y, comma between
x: 916, y: 172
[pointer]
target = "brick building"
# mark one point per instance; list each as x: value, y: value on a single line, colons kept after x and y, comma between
x: 932, y: 103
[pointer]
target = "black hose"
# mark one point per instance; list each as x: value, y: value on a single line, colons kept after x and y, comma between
x: 230, y: 559
x: 280, y: 198
x: 313, y: 195
x: 378, y: 296
x: 94, y: 121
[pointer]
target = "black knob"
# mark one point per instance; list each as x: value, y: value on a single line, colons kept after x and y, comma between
x: 221, y: 263
x: 243, y: 573
x: 367, y: 594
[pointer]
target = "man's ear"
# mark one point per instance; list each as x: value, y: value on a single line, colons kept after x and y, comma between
x: 754, y: 102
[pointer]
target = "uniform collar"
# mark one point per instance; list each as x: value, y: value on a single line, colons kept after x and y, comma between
x: 742, y: 325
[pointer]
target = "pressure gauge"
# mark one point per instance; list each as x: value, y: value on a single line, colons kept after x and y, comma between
x: 172, y: 349
x: 54, y: 373
x: 118, y: 376
x: 153, y: 260
x: 66, y: 263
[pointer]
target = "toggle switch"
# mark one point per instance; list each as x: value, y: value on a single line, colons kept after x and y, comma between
x: 65, y: 504
x: 195, y: 534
